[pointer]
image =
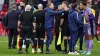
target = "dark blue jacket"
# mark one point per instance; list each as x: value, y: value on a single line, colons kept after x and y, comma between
x: 49, y: 17
x: 81, y: 17
x: 74, y: 21
x: 12, y: 19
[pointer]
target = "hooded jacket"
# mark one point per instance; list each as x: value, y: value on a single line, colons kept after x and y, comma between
x: 74, y: 21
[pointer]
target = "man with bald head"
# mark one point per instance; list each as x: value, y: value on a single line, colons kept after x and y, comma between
x: 40, y: 33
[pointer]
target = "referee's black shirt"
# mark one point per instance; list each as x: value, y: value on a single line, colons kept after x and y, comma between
x: 40, y: 17
x: 26, y: 18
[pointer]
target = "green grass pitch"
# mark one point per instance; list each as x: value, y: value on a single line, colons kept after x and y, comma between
x: 4, y: 51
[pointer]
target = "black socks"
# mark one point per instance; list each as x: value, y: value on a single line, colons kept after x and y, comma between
x: 42, y: 44
x: 27, y: 45
x: 21, y: 43
x: 35, y: 44
x: 65, y: 45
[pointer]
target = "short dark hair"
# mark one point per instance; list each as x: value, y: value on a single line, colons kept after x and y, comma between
x: 74, y: 5
x: 65, y: 2
x: 84, y: 3
x: 14, y: 6
x: 49, y: 4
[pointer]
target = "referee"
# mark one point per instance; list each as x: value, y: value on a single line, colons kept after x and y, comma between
x: 25, y: 26
x: 40, y: 32
x: 58, y: 21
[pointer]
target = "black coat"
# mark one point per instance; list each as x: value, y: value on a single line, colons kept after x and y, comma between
x: 12, y: 19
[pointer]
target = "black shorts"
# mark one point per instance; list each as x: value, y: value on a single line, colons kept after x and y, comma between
x: 26, y: 31
x: 40, y: 32
x: 65, y: 31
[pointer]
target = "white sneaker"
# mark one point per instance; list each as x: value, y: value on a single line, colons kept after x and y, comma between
x: 39, y: 50
x: 81, y: 51
x: 24, y: 46
x: 33, y: 51
x: 44, y: 41
x: 76, y: 53
x: 88, y: 53
x: 70, y: 53
x: 98, y: 41
x: 76, y: 46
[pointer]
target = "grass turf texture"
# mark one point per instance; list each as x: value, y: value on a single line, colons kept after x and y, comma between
x: 4, y: 51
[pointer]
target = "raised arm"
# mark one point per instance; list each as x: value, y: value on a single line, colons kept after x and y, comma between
x: 55, y: 12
